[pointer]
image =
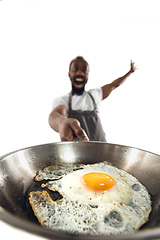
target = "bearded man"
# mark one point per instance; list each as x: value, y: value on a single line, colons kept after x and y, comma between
x: 76, y: 114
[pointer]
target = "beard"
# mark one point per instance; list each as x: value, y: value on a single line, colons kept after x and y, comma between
x: 78, y: 91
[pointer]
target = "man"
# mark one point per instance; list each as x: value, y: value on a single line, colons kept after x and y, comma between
x: 75, y: 115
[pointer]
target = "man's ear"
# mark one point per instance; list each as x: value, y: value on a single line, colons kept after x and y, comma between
x: 69, y: 74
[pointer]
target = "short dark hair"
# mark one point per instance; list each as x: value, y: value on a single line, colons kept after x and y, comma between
x: 79, y: 57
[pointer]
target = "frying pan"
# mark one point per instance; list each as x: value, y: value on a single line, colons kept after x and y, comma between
x: 17, y: 170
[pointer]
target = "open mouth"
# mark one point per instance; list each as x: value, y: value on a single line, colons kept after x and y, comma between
x: 79, y: 81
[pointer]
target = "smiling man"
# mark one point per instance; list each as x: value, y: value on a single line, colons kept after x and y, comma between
x: 75, y: 115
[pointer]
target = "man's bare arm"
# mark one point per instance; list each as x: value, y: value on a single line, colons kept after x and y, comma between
x: 108, y: 88
x: 68, y: 128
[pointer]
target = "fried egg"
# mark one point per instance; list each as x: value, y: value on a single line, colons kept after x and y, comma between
x: 91, y: 186
x: 97, y: 199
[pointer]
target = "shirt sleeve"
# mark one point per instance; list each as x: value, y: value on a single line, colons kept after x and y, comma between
x: 63, y: 100
x: 98, y: 96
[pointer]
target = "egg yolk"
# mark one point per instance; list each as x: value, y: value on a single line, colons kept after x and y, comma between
x: 97, y: 181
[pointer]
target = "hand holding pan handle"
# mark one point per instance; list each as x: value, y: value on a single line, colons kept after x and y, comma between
x: 72, y: 131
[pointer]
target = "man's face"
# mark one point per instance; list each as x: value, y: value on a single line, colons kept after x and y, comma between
x: 78, y: 75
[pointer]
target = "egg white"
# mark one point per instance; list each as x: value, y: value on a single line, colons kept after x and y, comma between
x: 122, y: 209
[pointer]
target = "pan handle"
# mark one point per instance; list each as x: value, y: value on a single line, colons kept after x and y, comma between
x: 76, y: 139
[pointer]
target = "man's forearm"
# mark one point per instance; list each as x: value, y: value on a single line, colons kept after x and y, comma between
x: 68, y: 128
x: 55, y: 120
x: 56, y: 117
x: 120, y: 80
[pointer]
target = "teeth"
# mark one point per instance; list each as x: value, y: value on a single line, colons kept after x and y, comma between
x: 79, y: 79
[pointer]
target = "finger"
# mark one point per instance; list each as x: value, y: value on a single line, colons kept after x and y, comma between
x: 67, y: 136
x: 79, y: 132
x: 132, y: 63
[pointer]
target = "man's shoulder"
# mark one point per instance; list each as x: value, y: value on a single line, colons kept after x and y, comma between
x: 65, y: 96
x: 61, y: 100
x: 96, y: 93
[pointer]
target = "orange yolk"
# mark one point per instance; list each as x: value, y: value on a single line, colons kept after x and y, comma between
x: 97, y: 181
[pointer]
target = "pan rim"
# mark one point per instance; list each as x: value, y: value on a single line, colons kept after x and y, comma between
x: 76, y: 142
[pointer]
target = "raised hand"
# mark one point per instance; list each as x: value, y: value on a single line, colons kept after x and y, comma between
x: 133, y: 67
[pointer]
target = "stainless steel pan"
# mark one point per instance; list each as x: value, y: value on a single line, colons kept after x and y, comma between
x: 18, y: 168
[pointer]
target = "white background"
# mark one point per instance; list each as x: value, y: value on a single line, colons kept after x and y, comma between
x: 38, y: 39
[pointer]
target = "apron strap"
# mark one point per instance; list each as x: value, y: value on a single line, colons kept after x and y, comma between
x: 94, y: 103
x: 70, y: 101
